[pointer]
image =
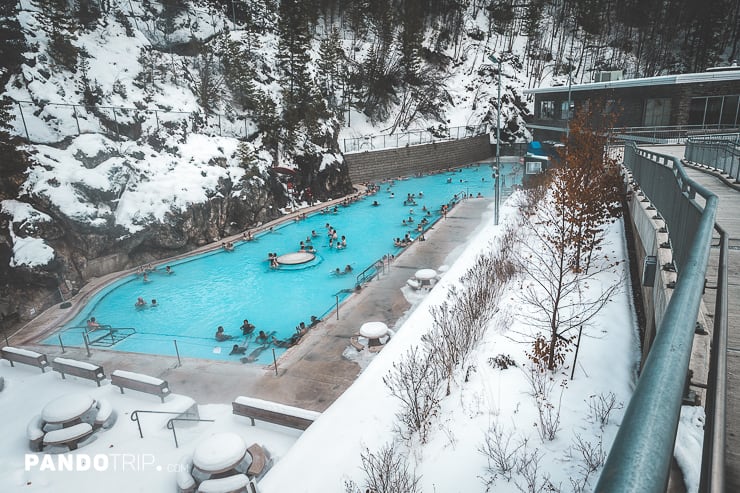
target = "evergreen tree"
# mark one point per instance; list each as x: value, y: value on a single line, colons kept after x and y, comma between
x: 239, y: 73
x: 411, y: 38
x: 57, y: 21
x: 330, y: 66
x: 294, y: 59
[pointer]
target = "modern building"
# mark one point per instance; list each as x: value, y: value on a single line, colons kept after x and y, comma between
x: 705, y: 100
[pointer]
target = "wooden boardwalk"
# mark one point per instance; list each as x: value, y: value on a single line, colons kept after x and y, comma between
x: 728, y: 217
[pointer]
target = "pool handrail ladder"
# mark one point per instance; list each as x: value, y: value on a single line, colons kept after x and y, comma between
x: 642, y: 452
x: 104, y: 336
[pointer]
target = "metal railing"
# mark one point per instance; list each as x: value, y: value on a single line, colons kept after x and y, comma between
x: 416, y: 137
x: 713, y: 453
x: 675, y: 134
x: 640, y: 457
x: 719, y: 152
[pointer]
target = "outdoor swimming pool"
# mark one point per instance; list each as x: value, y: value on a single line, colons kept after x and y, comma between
x: 224, y: 288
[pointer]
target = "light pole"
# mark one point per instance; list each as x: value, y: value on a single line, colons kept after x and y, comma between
x: 498, y: 139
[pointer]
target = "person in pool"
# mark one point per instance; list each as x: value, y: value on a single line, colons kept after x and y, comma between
x: 261, y: 338
x: 237, y: 349
x: 221, y: 335
x: 93, y: 324
x: 247, y: 328
x: 140, y: 303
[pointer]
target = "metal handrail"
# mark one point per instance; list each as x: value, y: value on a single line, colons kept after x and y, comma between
x: 171, y: 425
x: 135, y: 417
x: 713, y: 453
x: 641, y: 455
x: 372, y: 270
x: 718, y: 153
x: 668, y: 134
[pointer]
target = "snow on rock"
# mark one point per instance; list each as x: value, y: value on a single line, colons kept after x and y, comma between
x: 27, y: 250
x: 99, y: 182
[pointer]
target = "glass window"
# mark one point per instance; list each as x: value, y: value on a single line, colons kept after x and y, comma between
x: 729, y: 110
x: 657, y: 112
x: 714, y: 107
x: 566, y: 110
x: 696, y: 111
x: 547, y: 110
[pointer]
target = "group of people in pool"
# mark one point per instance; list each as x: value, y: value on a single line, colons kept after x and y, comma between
x: 141, y: 303
x: 262, y: 338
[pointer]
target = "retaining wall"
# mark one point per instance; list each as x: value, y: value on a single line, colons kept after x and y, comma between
x: 406, y: 161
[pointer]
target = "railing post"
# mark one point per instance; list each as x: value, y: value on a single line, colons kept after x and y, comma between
x: 23, y: 119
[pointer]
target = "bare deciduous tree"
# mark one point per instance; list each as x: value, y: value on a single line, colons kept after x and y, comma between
x: 558, y: 295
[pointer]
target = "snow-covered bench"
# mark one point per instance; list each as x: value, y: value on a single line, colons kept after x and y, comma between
x: 273, y: 412
x: 260, y: 461
x: 105, y: 416
x: 35, y: 433
x: 229, y: 484
x: 80, y: 369
x: 70, y: 436
x: 18, y: 355
x: 356, y: 343
x: 139, y: 382
x: 184, y: 476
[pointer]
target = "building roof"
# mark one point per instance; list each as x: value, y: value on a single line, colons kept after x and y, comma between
x: 662, y: 80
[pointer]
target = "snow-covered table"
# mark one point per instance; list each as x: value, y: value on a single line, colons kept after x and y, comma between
x: 373, y: 331
x: 67, y: 409
x: 219, y: 453
x: 426, y: 276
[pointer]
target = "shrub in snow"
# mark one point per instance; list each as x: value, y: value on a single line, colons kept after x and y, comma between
x: 415, y: 380
x: 386, y: 472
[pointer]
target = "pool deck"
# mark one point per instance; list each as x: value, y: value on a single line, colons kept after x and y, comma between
x: 311, y: 375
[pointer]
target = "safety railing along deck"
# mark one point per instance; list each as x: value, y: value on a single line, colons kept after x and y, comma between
x: 641, y: 455
x: 412, y: 137
x: 674, y: 134
x: 719, y: 152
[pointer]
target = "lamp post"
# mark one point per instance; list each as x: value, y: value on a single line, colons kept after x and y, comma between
x: 498, y: 139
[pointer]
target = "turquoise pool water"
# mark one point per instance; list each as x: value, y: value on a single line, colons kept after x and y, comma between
x: 224, y: 288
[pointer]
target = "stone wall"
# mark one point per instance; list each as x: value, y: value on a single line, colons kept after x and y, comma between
x: 650, y: 236
x: 407, y: 161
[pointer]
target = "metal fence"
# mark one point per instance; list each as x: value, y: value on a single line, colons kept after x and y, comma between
x: 47, y: 123
x: 640, y: 457
x: 416, y: 137
x: 719, y: 152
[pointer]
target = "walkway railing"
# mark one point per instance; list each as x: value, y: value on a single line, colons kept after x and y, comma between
x: 416, y: 137
x: 719, y: 152
x: 641, y: 455
x: 675, y: 134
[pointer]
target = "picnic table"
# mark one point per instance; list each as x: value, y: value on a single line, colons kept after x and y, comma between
x: 67, y: 410
x: 221, y: 452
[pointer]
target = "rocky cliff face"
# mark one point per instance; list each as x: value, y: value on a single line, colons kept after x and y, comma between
x: 82, y: 251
